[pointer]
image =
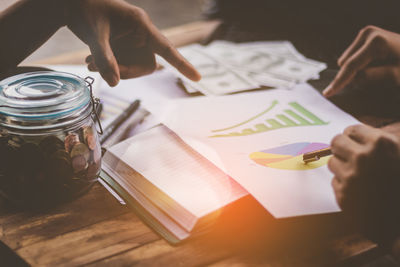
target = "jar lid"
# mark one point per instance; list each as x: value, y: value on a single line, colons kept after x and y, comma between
x: 43, y: 99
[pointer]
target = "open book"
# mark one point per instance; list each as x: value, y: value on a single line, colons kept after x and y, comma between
x: 174, y: 189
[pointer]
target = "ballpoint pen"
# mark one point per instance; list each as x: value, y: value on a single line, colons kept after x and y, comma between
x: 316, y: 155
x: 108, y: 131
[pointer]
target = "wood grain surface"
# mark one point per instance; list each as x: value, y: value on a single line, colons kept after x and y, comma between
x: 96, y: 230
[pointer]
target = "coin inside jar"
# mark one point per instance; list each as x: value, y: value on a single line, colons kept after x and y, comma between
x: 89, y: 137
x: 80, y: 149
x: 71, y: 140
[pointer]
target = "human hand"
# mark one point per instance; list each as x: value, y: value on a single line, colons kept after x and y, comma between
x: 122, y: 39
x: 366, y: 168
x: 373, y: 57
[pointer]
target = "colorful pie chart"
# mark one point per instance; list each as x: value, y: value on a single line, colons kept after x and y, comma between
x: 289, y: 157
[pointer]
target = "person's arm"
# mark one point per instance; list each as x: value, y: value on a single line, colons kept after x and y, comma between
x: 121, y: 37
x: 25, y: 26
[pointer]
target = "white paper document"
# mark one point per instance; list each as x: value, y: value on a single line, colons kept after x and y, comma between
x: 258, y: 139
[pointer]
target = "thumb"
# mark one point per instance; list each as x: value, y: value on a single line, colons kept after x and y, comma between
x: 105, y: 61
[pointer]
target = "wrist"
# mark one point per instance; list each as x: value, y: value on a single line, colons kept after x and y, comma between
x: 57, y: 10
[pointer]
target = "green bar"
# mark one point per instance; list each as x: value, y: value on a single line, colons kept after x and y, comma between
x: 307, y: 113
x: 261, y: 128
x: 286, y: 120
x: 247, y: 131
x: 226, y: 135
x: 275, y: 124
x: 297, y: 117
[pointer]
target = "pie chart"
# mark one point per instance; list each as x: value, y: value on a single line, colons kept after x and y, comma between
x: 289, y: 157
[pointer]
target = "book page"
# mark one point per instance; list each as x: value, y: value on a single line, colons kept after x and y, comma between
x: 258, y: 139
x: 178, y: 171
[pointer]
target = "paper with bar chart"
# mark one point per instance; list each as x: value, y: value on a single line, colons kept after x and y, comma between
x: 258, y: 139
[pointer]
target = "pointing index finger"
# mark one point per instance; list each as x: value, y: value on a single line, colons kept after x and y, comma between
x: 165, y: 49
x: 349, y: 70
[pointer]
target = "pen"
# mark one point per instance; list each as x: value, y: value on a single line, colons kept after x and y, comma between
x: 316, y: 155
x: 107, y: 132
x: 125, y: 129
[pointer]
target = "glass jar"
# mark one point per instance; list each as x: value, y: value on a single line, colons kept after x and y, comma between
x: 49, y: 146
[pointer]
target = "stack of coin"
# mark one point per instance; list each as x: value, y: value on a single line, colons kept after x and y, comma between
x: 44, y: 169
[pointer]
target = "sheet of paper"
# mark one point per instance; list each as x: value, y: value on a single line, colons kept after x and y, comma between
x: 258, y: 139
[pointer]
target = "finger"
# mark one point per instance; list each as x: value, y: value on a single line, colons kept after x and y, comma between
x: 337, y: 185
x: 105, y: 61
x: 355, y: 45
x: 165, y: 49
x: 355, y: 63
x: 159, y: 67
x: 338, y: 189
x: 388, y: 74
x: 92, y: 67
x: 89, y: 59
x: 343, y: 147
x: 337, y: 167
x: 360, y: 133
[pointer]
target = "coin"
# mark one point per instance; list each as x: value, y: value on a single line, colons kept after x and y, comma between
x: 80, y: 149
x: 89, y: 137
x: 79, y: 163
x: 71, y: 140
x: 97, y: 155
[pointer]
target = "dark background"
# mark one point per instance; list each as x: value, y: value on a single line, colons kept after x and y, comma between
x: 164, y: 13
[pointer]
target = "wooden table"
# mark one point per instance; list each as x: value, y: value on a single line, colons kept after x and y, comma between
x: 96, y: 230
